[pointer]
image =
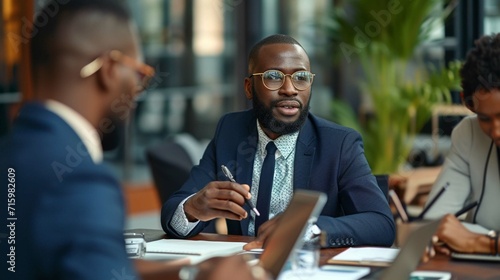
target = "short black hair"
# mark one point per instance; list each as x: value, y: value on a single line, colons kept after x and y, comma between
x: 273, y: 39
x: 55, y: 12
x: 481, y: 69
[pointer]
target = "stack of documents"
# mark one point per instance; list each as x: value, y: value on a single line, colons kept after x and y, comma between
x: 195, y: 250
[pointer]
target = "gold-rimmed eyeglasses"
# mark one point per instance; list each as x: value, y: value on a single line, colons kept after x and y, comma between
x: 144, y: 72
x: 274, y: 79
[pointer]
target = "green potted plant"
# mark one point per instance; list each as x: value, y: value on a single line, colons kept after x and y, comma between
x: 382, y: 36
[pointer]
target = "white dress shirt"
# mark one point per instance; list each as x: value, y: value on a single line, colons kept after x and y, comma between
x: 82, y: 127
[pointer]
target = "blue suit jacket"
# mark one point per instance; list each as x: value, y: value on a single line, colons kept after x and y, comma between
x: 69, y: 210
x: 328, y: 158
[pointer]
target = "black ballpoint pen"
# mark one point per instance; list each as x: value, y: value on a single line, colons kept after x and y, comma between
x: 466, y: 208
x: 429, y: 205
x: 228, y: 174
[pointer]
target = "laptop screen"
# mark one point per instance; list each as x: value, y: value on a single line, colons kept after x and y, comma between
x: 410, y: 253
x: 304, y: 207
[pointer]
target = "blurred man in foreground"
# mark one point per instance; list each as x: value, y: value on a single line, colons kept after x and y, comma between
x: 65, y: 207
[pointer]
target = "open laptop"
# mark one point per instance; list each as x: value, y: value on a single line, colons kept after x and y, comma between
x: 305, y: 207
x: 409, y: 256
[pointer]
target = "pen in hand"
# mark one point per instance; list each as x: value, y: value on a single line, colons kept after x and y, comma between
x: 466, y: 209
x: 435, y: 240
x: 228, y: 174
x: 441, y: 191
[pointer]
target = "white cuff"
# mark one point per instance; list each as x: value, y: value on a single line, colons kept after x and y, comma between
x: 180, y: 222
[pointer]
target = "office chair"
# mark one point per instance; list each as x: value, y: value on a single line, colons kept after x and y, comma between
x: 170, y: 165
x: 383, y: 184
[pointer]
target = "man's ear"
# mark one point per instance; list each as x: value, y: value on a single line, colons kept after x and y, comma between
x: 107, y: 76
x: 248, y: 88
x: 468, y: 102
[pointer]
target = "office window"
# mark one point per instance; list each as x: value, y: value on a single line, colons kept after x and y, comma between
x: 192, y: 45
x: 491, y: 17
x: 12, y: 42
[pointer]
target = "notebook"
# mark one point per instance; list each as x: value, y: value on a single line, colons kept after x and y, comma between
x: 475, y: 257
x: 305, y: 207
x: 373, y: 256
x: 194, y: 247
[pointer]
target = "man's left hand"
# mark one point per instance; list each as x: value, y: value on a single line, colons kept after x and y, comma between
x: 265, y: 231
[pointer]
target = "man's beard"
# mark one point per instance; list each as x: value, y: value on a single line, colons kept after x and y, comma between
x: 268, y: 121
x: 113, y: 134
x: 112, y: 139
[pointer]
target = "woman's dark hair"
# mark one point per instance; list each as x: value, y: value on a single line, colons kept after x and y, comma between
x: 481, y: 70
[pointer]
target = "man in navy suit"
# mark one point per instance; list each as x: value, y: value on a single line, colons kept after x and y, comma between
x: 312, y: 153
x: 65, y: 207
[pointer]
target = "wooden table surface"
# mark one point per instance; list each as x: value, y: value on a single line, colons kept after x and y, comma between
x: 461, y: 270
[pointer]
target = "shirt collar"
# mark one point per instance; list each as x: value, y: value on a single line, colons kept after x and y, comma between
x: 284, y: 143
x: 82, y: 127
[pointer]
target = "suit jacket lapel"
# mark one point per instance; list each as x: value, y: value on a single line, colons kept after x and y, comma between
x: 491, y: 193
x: 304, y: 155
x: 247, y: 147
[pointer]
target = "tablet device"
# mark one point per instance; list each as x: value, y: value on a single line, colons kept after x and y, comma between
x: 475, y: 257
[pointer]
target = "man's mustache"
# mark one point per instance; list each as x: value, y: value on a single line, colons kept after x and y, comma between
x: 274, y: 103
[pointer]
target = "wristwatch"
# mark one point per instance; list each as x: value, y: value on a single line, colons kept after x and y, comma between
x: 493, y: 235
x: 188, y: 272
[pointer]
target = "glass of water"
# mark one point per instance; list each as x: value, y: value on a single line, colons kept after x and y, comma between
x: 305, y: 260
x: 135, y: 244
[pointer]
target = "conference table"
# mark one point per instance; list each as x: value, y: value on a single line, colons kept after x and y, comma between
x: 461, y: 270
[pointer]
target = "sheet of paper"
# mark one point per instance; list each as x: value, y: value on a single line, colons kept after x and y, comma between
x: 194, y: 247
x: 430, y: 275
x: 328, y: 272
x: 367, y: 255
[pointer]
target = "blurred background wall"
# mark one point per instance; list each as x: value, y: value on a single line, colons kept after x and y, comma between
x: 199, y: 49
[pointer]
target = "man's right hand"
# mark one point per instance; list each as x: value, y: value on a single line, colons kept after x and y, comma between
x: 218, y: 199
